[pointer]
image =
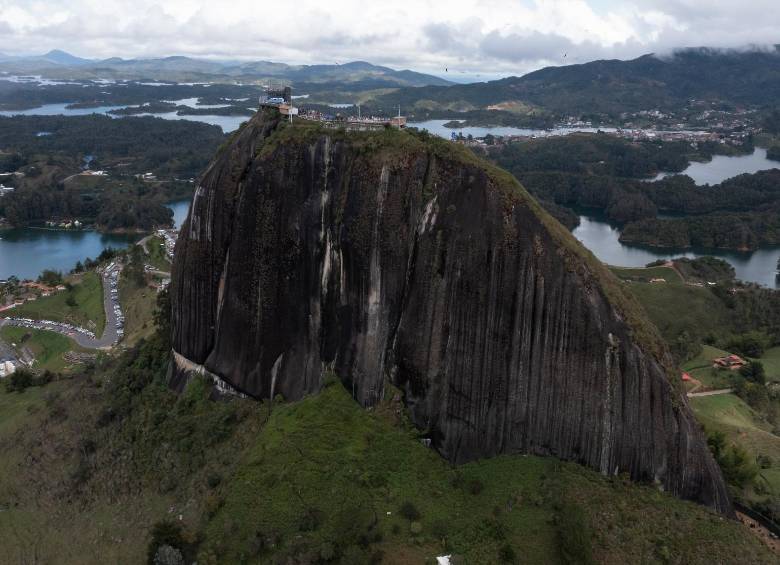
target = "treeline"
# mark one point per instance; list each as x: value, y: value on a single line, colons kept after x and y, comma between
x: 598, y: 154
x: 115, y: 205
x: 602, y: 172
x: 729, y: 231
x: 177, y: 148
x: 86, y: 94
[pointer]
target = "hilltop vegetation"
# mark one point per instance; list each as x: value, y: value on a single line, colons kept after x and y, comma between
x: 123, y: 466
x: 604, y: 172
x: 50, y: 188
x: 167, y: 147
x: 610, y: 88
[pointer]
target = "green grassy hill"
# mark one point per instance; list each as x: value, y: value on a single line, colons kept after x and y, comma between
x: 89, y: 470
x: 743, y: 426
x: 47, y: 347
x: 86, y: 308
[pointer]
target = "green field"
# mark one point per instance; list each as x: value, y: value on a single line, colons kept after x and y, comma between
x: 320, y: 477
x: 47, y: 347
x: 323, y: 470
x: 87, y: 312
x: 771, y: 362
x: 700, y: 367
x: 744, y: 427
x: 670, y: 275
x: 156, y: 256
x: 677, y: 308
x: 138, y: 305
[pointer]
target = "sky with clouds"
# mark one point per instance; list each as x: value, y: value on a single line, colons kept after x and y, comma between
x: 494, y: 37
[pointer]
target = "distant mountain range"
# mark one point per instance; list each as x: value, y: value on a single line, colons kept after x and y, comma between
x: 614, y: 86
x: 59, y: 64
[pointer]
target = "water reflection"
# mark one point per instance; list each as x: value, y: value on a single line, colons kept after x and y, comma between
x: 602, y: 239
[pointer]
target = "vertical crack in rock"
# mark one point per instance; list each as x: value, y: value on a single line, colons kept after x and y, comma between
x: 390, y: 256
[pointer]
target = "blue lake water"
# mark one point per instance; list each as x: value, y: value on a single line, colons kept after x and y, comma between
x: 180, y: 209
x: 227, y: 123
x: 25, y: 252
x: 59, y: 110
x: 436, y: 127
x: 724, y: 167
x: 602, y: 239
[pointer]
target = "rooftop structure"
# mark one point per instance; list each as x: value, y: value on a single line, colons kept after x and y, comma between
x: 732, y: 362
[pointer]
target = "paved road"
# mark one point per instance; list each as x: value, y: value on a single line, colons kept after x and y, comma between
x: 110, y: 335
x: 711, y: 392
x: 106, y: 341
x: 143, y: 242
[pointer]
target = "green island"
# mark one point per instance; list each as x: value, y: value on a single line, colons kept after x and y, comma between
x: 114, y: 175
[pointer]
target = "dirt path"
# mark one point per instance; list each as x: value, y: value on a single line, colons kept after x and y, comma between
x: 711, y: 392
x: 761, y: 532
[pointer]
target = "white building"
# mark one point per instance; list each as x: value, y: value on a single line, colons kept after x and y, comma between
x: 6, y: 368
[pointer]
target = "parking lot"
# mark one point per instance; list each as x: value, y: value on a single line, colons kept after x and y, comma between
x: 115, y: 320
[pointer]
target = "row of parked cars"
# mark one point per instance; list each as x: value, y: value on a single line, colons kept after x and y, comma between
x: 112, y: 279
x: 60, y: 327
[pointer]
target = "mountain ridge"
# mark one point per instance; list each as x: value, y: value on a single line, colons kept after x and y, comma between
x: 349, y: 71
x: 613, y: 86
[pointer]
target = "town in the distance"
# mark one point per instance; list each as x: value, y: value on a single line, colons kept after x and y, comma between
x: 257, y: 312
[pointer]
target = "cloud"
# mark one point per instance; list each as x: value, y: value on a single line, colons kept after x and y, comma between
x: 500, y: 36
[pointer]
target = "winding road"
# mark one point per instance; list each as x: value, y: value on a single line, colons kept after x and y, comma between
x: 106, y: 341
x: 711, y: 392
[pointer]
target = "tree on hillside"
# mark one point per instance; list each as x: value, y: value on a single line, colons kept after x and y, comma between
x: 135, y: 268
x: 50, y: 277
x: 754, y: 372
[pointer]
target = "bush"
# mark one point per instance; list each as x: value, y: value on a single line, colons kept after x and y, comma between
x: 50, y: 277
x: 167, y: 555
x: 409, y: 511
x: 574, y: 535
x: 20, y: 380
x: 736, y: 464
x: 507, y: 554
x: 754, y: 372
x: 476, y: 486
x: 166, y: 534
x: 751, y: 344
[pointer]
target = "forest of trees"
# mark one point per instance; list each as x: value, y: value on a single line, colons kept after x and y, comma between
x: 604, y: 172
x: 729, y: 231
x: 117, y: 205
x: 168, y: 147
x: 47, y: 189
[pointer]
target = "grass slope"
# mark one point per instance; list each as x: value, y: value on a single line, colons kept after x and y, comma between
x: 644, y: 274
x: 771, y: 361
x: 138, y: 304
x: 730, y: 414
x: 700, y: 367
x: 157, y: 256
x: 678, y: 308
x: 47, y: 347
x: 325, y: 476
x: 88, y: 311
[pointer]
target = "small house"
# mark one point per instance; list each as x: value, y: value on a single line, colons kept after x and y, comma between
x: 731, y: 362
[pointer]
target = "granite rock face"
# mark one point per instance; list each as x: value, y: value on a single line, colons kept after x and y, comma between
x: 389, y: 257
